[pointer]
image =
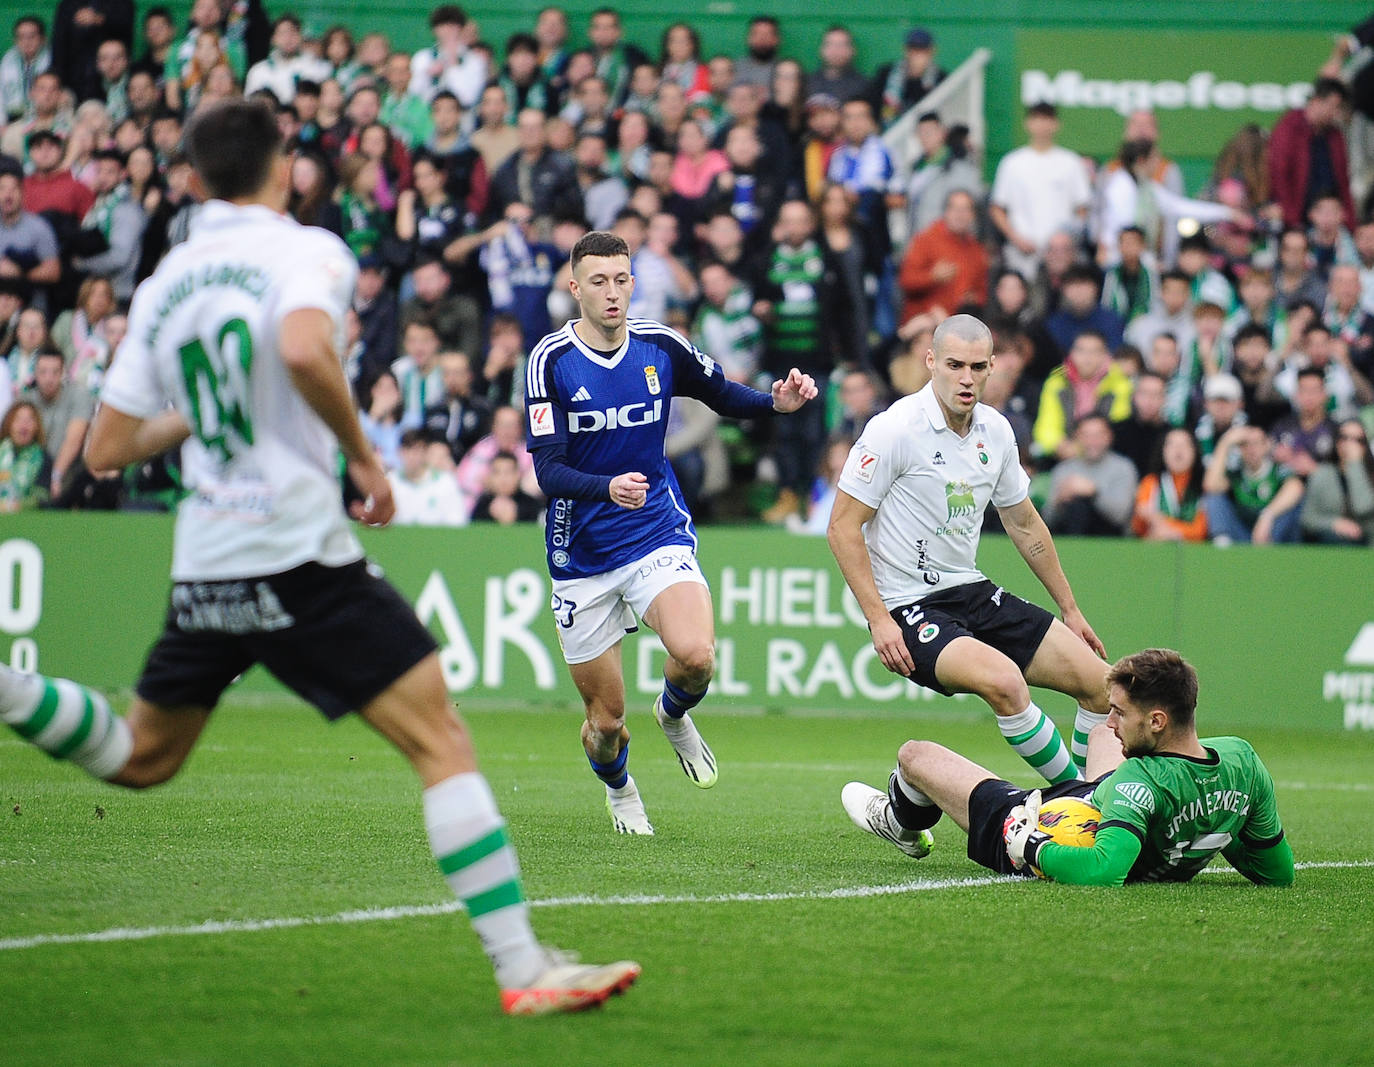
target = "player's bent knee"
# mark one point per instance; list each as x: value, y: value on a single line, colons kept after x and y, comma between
x: 1006, y: 691
x: 698, y: 662
x: 913, y: 754
x: 1100, y: 734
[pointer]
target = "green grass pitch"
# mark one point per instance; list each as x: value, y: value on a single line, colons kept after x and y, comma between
x: 769, y: 929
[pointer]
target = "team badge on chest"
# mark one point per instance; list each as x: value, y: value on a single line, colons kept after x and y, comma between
x: 982, y: 454
x: 651, y: 377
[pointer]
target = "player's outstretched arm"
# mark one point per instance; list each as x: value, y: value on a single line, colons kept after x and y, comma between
x: 792, y: 392
x: 118, y: 439
x: 1031, y: 537
x: 845, y: 534
x: 306, y: 344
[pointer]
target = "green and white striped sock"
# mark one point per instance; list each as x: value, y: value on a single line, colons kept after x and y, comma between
x: 469, y: 840
x: 1038, y: 742
x: 1083, y: 724
x: 66, y: 720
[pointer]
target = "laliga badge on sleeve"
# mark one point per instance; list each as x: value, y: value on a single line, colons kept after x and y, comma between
x: 541, y: 419
x: 865, y: 464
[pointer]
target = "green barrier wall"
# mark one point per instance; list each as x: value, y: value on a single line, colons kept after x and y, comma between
x: 1280, y: 636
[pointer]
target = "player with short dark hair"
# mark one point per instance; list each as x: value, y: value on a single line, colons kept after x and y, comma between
x: 232, y: 354
x: 1168, y: 802
x: 905, y: 528
x: 619, y: 537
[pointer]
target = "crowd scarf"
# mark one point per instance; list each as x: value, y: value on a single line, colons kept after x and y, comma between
x: 364, y: 233
x: 91, y: 350
x: 101, y: 215
x: 19, y: 468
x: 535, y: 95
x: 1084, y: 389
x: 1174, y: 501
x: 1147, y: 214
x: 614, y: 71
x: 896, y: 84
x: 1129, y: 300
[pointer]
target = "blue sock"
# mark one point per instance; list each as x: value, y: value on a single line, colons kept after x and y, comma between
x: 678, y: 702
x: 614, y: 773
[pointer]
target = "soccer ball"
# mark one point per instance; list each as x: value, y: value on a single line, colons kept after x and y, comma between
x: 1068, y: 821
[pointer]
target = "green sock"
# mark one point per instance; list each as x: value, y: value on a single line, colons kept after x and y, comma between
x: 66, y: 720
x: 1038, y: 742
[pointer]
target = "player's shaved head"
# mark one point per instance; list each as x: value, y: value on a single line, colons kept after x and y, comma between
x: 964, y: 328
x: 232, y: 145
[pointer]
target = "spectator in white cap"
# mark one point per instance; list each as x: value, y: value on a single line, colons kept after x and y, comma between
x: 1223, y: 407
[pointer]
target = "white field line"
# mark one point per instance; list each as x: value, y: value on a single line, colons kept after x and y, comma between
x: 344, y: 918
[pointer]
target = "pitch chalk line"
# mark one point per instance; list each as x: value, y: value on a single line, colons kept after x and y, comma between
x: 345, y: 918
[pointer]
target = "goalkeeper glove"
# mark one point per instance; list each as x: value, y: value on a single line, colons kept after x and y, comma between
x: 1021, y: 832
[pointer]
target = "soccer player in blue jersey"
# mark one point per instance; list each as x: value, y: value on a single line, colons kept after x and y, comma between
x: 620, y: 540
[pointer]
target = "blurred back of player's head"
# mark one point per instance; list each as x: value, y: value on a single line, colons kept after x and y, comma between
x: 232, y: 145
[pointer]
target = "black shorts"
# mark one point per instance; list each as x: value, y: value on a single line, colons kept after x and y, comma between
x: 338, y: 636
x: 988, y: 807
x: 1013, y: 626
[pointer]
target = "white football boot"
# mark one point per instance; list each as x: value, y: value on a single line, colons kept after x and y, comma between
x: 627, y: 809
x: 869, y: 809
x: 697, y: 759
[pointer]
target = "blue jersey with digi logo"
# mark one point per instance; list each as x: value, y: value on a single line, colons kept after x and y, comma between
x: 610, y: 414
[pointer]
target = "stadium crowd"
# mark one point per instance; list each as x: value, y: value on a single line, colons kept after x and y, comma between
x: 1174, y: 368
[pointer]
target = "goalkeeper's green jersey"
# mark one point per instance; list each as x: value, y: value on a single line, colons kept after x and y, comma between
x: 1165, y: 817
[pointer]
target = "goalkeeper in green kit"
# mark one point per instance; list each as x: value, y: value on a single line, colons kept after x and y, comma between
x: 1169, y: 802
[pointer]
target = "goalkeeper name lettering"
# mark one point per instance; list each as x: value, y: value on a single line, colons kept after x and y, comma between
x: 1232, y: 800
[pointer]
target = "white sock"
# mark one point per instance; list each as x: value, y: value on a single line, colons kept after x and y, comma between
x: 1083, y: 724
x: 1037, y: 741
x: 468, y: 837
x: 912, y: 793
x: 66, y: 720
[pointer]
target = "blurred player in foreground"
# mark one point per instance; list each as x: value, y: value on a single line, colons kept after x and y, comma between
x: 1169, y: 802
x: 233, y: 350
x: 905, y: 528
x: 620, y: 540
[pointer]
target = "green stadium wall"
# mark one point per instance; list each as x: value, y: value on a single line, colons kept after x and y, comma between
x: 1203, y: 59
x: 1280, y: 636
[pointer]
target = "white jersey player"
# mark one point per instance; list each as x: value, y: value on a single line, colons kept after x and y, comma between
x: 905, y: 527
x: 233, y: 349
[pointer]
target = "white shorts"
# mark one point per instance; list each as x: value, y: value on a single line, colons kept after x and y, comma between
x: 595, y: 613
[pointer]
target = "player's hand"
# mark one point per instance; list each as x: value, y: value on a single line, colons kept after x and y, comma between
x: 378, y: 506
x: 629, y: 490
x: 1075, y: 621
x: 1021, y: 824
x: 890, y: 644
x: 792, y: 392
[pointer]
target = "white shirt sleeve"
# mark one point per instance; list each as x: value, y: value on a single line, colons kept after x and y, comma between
x: 873, y: 463
x: 131, y: 384
x: 1013, y: 484
x: 324, y: 278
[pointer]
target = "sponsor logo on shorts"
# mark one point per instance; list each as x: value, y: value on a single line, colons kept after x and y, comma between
x: 541, y: 419
x: 1137, y: 795
x: 928, y: 633
x: 865, y: 466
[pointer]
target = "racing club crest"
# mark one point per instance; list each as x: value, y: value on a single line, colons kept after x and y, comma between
x: 651, y: 376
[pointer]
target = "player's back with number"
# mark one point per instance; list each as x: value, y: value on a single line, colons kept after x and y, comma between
x: 203, y: 337
x: 1185, y: 811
